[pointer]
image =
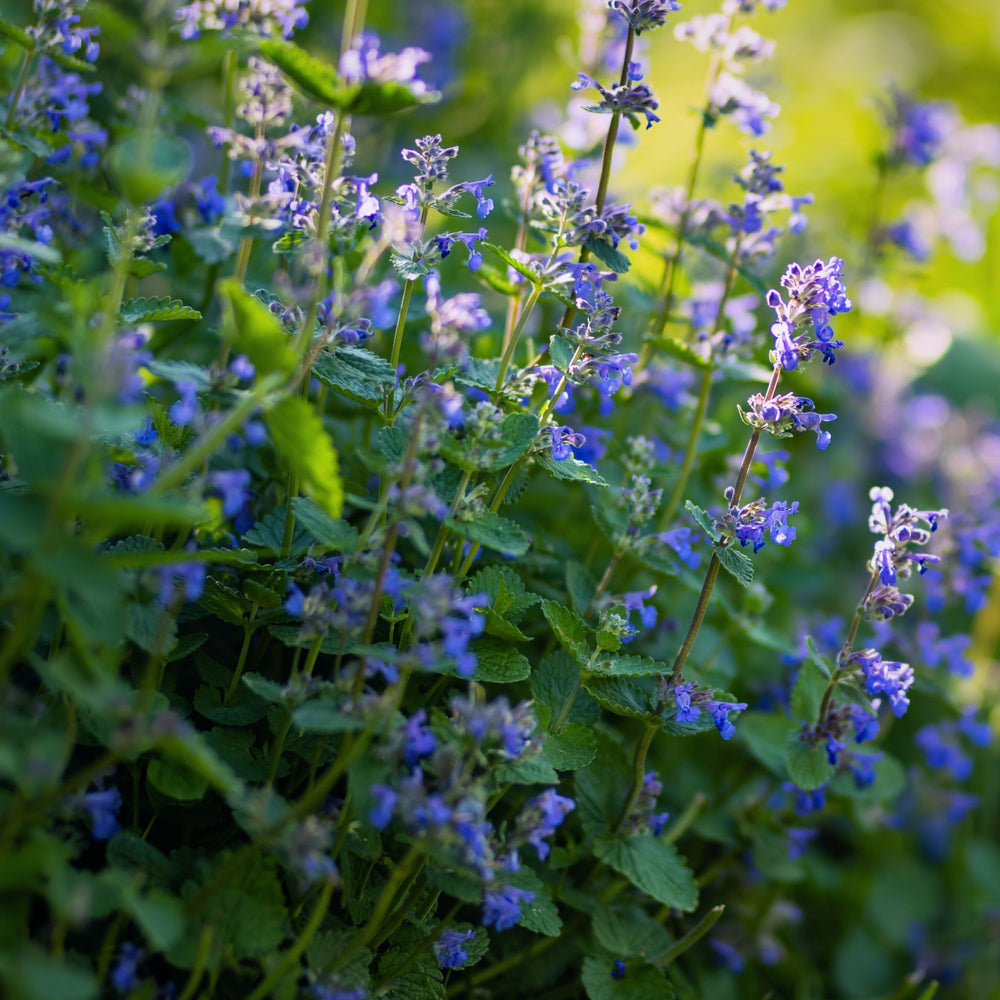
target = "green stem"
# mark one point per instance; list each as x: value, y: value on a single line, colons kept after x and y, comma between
x: 692, y: 937
x: 228, y: 109
x: 279, y: 746
x: 680, y: 826
x: 206, y: 446
x: 15, y: 97
x: 560, y: 719
x: 697, y: 420
x: 382, y: 907
x: 313, y: 656
x: 200, y: 961
x: 508, y: 353
x: 248, y: 631
x: 638, y: 773
x: 302, y: 942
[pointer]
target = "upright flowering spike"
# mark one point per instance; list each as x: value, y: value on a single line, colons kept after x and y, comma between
x: 815, y: 294
x: 642, y: 15
x: 258, y: 17
x: 630, y: 100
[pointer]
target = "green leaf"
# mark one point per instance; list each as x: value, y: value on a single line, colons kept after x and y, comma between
x: 160, y: 916
x: 608, y: 255
x: 735, y: 562
x: 355, y: 373
x: 333, y: 535
x: 145, y: 163
x: 16, y: 34
x: 325, y: 717
x: 518, y: 433
x: 527, y: 771
x: 653, y: 867
x: 248, y: 913
x: 807, y: 762
x: 417, y: 980
x: 560, y: 352
x: 628, y: 666
x: 539, y: 914
x: 573, y: 747
x: 244, y: 707
x: 807, y: 695
x: 628, y: 931
x: 28, y: 140
x: 35, y: 976
x: 506, y: 591
x: 703, y: 519
x: 313, y: 77
x: 552, y: 682
x: 493, y: 532
x: 256, y: 332
x: 571, y: 632
x: 581, y: 587
x: 512, y: 262
x: 572, y: 468
x: 818, y: 658
x: 302, y: 441
x: 641, y: 981
x: 679, y: 350
x: 181, y: 371
x: 632, y: 697
x: 156, y: 310
x: 223, y: 602
x: 321, y: 82
x: 498, y: 662
x: 176, y: 781
x: 263, y: 688
x: 268, y: 531
x: 766, y: 737
x: 130, y: 853
x: 152, y: 628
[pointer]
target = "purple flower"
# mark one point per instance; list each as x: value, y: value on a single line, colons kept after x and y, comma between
x: 418, y: 740
x: 233, y: 486
x: 184, y: 411
x: 618, y: 970
x: 629, y: 100
x: 190, y: 576
x: 102, y: 806
x: 720, y: 710
x: 448, y: 948
x: 815, y: 294
x: 642, y: 15
x: 540, y: 818
x: 502, y: 907
x: 798, y: 840
x: 686, y: 712
x: 385, y: 801
x: 123, y: 975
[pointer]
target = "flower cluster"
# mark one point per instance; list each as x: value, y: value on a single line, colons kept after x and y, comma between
x: 785, y: 414
x: 259, y: 17
x: 751, y: 522
x: 816, y: 293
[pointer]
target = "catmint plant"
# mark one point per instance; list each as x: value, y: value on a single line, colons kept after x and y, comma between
x: 399, y: 594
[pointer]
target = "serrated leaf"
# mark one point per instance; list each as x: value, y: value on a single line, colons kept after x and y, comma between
x: 527, y: 771
x: 256, y: 332
x: 313, y: 77
x: 573, y: 747
x: 181, y: 371
x: 267, y: 533
x: 130, y: 853
x: 223, y: 602
x: 25, y: 139
x: 552, y: 682
x: 153, y: 310
x: 264, y: 688
x: 632, y: 697
x: 627, y: 666
x: 499, y: 663
x: 581, y: 585
x: 325, y: 717
x: 807, y: 762
x: 572, y: 469
x: 807, y: 695
x: 640, y: 982
x: 356, y: 373
x: 493, y: 532
x: 821, y: 662
x: 176, y: 781
x: 334, y: 535
x: 652, y: 866
x: 506, y: 591
x: 518, y: 433
x: 160, y: 916
x: 244, y: 707
x: 735, y: 562
x: 16, y: 34
x: 560, y: 352
x: 629, y: 932
x: 572, y: 633
x: 608, y: 255
x: 512, y: 262
x: 300, y: 438
x: 703, y: 519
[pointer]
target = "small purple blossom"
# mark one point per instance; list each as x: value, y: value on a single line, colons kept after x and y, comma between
x: 449, y: 950
x: 502, y: 907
